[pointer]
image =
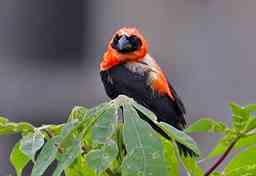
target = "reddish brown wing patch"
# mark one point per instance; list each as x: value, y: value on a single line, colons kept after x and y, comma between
x: 160, y: 84
x: 158, y: 80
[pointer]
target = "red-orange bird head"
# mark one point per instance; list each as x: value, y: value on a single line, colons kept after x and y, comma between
x: 127, y: 44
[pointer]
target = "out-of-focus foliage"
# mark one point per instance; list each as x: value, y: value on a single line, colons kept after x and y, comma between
x: 241, y: 135
x: 121, y: 138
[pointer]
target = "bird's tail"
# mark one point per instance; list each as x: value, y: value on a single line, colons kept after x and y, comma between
x: 185, y: 151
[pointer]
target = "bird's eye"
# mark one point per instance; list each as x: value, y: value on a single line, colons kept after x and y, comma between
x: 116, y: 39
x: 135, y: 41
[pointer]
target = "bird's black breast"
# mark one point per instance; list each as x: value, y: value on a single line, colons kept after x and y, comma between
x: 122, y: 80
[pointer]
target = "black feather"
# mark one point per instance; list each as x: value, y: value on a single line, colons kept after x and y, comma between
x: 121, y: 80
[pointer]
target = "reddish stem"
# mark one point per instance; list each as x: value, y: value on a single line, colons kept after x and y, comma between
x: 51, y: 135
x: 48, y: 132
x: 221, y: 159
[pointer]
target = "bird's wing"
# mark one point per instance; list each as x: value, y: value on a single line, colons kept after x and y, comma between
x: 160, y: 83
x: 178, y: 101
x: 134, y: 80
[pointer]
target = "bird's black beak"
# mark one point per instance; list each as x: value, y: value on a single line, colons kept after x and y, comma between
x: 126, y: 44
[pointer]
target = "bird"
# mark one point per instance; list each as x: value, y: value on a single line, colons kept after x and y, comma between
x: 127, y: 68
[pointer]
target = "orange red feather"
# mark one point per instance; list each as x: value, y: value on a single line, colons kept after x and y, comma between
x: 112, y: 58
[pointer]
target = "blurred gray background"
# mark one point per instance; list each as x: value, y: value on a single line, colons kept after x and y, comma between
x: 50, y: 51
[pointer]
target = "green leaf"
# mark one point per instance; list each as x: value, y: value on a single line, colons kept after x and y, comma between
x: 18, y: 159
x: 55, y: 129
x: 145, y: 111
x: 78, y: 112
x: 180, y: 136
x: 170, y: 157
x: 104, y: 127
x: 93, y: 115
x: 206, y: 125
x: 8, y: 128
x: 221, y: 147
x: 31, y: 143
x: 98, y: 110
x: 216, y: 174
x: 121, y: 100
x: 98, y: 126
x: 251, y: 124
x: 25, y: 127
x: 236, y: 109
x: 191, y: 166
x: 251, y: 108
x: 138, y: 162
x: 172, y: 132
x: 238, y: 122
x: 49, y: 151
x: 68, y: 127
x: 145, y: 152
x: 240, y: 116
x: 46, y: 156
x: 3, y: 120
x: 67, y: 157
x: 248, y: 170
x: 241, y: 160
x: 99, y: 160
x: 246, y: 141
x: 79, y: 168
x: 218, y: 150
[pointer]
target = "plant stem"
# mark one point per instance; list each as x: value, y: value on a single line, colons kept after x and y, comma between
x: 222, y: 158
x: 48, y: 132
x: 109, y: 172
x: 51, y: 135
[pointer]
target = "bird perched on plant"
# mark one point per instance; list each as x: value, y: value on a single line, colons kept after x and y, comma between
x: 127, y: 68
